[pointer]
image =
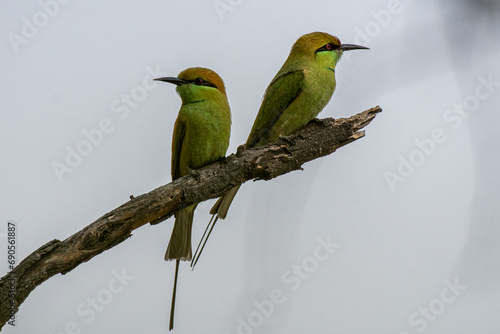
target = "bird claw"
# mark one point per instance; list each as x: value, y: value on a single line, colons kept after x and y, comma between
x: 194, y: 173
x: 317, y: 121
x: 241, y: 149
x: 289, y: 140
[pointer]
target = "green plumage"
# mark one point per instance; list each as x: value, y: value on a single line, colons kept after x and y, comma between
x: 300, y: 90
x: 201, y: 136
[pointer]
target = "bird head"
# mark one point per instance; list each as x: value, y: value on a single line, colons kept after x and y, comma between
x: 196, y: 84
x: 322, y: 48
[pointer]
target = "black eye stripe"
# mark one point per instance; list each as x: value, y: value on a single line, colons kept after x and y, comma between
x: 201, y: 82
x: 328, y: 47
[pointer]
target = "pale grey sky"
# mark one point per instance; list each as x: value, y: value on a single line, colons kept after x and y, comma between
x: 395, y: 233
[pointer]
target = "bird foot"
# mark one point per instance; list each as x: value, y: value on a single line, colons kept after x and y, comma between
x: 241, y: 149
x: 289, y: 140
x: 317, y: 121
x: 194, y: 173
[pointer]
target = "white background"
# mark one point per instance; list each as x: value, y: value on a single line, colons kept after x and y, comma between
x: 66, y: 67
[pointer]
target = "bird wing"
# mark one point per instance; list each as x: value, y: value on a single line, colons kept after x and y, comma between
x: 280, y: 93
x: 177, y: 141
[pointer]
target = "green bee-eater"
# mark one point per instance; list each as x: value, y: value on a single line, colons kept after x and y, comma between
x: 299, y: 91
x: 201, y: 136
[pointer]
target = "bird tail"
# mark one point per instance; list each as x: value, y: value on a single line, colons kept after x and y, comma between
x: 219, y: 210
x: 222, y: 205
x: 172, y: 306
x: 179, y: 247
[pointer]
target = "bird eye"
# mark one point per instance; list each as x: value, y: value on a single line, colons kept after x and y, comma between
x: 201, y: 82
x: 327, y: 47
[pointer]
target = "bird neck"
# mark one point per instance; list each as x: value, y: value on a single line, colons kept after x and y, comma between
x: 196, y: 94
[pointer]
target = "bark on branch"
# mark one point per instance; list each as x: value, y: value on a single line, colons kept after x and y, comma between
x: 317, y: 139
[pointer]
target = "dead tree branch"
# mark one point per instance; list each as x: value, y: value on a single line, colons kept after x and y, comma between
x: 317, y: 139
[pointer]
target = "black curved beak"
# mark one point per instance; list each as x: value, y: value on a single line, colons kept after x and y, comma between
x: 347, y: 47
x: 172, y: 80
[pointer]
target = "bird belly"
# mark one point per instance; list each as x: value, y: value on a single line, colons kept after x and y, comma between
x: 205, y: 145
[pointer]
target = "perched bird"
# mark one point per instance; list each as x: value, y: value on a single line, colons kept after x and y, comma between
x: 201, y: 136
x: 299, y: 91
